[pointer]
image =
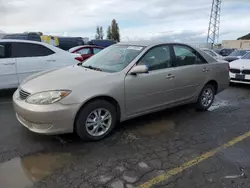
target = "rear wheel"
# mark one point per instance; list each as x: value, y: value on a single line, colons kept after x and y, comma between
x: 96, y: 120
x: 206, y: 97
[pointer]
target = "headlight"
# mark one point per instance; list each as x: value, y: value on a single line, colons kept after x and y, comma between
x: 47, y: 97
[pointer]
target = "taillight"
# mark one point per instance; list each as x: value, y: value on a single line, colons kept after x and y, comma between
x: 80, y: 58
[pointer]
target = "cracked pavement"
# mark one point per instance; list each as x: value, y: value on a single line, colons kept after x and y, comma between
x: 137, y: 151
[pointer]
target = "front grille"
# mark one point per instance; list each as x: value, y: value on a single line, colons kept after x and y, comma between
x: 246, y: 72
x: 235, y: 71
x: 23, y: 94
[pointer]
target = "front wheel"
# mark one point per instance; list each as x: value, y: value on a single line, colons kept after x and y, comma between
x: 206, y: 97
x: 96, y: 120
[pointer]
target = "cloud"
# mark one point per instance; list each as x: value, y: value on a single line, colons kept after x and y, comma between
x: 152, y: 19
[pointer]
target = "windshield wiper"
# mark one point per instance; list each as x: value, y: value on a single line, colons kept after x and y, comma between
x: 93, y: 68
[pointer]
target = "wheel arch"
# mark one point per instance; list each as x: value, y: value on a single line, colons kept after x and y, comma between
x: 101, y: 97
x: 213, y: 83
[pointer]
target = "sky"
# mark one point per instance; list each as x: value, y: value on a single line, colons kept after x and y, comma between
x: 168, y: 20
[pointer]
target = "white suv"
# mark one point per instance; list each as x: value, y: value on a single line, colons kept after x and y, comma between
x: 21, y: 58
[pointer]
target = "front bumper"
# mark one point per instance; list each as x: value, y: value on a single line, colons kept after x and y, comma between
x: 45, y: 119
x: 234, y: 80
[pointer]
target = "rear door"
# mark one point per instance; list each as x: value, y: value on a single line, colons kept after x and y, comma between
x: 31, y: 58
x: 8, y: 73
x: 191, y: 71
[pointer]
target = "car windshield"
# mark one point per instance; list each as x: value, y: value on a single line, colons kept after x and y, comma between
x: 247, y: 56
x: 114, y: 58
x: 238, y: 53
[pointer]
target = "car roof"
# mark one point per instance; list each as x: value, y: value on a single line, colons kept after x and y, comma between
x: 19, y: 40
x: 147, y: 43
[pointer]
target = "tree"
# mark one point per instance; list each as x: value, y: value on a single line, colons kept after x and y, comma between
x: 109, y: 34
x: 97, y: 36
x: 245, y: 37
x: 101, y: 33
x: 113, y: 31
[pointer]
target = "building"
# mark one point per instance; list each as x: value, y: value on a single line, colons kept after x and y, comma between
x: 239, y: 44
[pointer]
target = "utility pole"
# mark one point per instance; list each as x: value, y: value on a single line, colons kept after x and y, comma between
x: 214, y: 23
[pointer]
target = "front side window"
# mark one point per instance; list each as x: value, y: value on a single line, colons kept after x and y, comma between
x: 84, y: 51
x: 113, y: 58
x: 157, y: 58
x: 186, y: 56
x: 29, y: 50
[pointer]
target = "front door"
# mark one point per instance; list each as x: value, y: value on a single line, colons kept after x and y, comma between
x: 149, y: 91
x: 8, y: 73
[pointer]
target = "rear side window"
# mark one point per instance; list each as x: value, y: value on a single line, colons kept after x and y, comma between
x: 29, y: 50
x: 210, y: 52
x: 186, y: 56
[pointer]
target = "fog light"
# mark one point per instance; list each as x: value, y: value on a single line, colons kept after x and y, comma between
x: 42, y: 126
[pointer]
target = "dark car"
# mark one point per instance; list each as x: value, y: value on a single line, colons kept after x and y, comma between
x: 103, y: 43
x: 237, y: 54
x: 226, y: 51
x: 86, y: 50
x: 66, y: 43
x: 24, y: 36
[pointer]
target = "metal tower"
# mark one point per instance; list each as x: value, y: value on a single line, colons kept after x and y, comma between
x: 214, y: 23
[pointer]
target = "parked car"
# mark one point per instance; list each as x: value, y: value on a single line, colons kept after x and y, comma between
x: 21, y: 58
x: 213, y: 54
x: 64, y: 43
x: 24, y: 36
x: 240, y: 70
x: 103, y: 43
x: 237, y: 54
x: 121, y: 82
x: 86, y: 50
x: 226, y: 51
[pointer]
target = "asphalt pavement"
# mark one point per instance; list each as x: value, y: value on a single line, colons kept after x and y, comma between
x: 178, y: 147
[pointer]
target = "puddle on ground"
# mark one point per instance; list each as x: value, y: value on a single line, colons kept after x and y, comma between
x: 219, y: 104
x: 156, y: 127
x: 25, y: 171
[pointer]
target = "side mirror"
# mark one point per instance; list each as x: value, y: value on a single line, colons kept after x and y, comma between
x: 139, y: 69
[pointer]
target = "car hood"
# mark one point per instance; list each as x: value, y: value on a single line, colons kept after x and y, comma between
x: 64, y: 78
x: 241, y: 63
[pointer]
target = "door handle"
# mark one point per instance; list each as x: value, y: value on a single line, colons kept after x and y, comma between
x: 170, y: 76
x: 51, y: 60
x: 8, y: 63
x: 205, y: 70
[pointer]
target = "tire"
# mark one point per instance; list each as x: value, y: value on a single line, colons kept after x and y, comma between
x: 88, y: 113
x: 201, y: 105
